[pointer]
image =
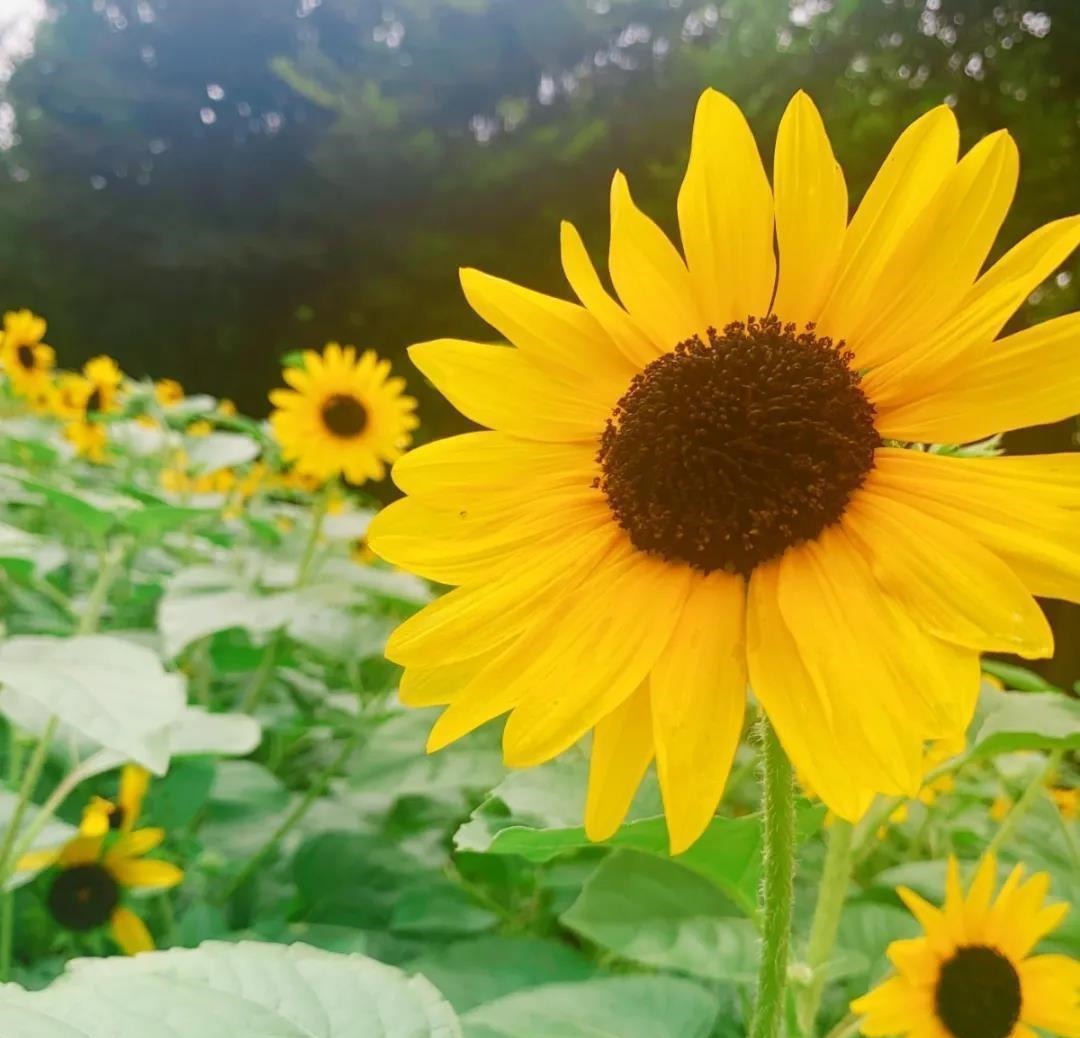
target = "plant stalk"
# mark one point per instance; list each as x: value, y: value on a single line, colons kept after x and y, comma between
x: 777, y: 886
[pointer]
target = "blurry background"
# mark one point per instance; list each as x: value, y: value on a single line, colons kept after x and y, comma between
x: 198, y: 186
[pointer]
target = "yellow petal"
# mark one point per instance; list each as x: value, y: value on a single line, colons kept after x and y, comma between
x: 469, y: 620
x: 130, y: 932
x: 698, y: 701
x: 622, y: 749
x: 950, y: 585
x: 35, y: 861
x: 892, y: 1008
x: 939, y: 256
x: 460, y: 468
x: 145, y: 872
x: 134, y: 844
x: 923, y: 156
x: 726, y: 216
x: 134, y: 782
x: 602, y: 648
x: 95, y: 817
x: 560, y: 337
x: 811, y: 212
x: 583, y: 279
x: 438, y: 685
x: 943, y: 357
x: 649, y: 274
x: 803, y: 721
x: 501, y: 388
x: 1022, y: 508
x: 81, y: 851
x: 1051, y: 994
x: 1030, y: 378
x: 467, y: 546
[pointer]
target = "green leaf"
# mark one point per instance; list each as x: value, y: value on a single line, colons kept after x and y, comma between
x: 103, y: 689
x: 1020, y: 678
x: 657, y: 912
x: 437, y: 906
x: 161, y: 518
x: 469, y: 973
x: 614, y: 1007
x: 1032, y: 721
x: 229, y: 990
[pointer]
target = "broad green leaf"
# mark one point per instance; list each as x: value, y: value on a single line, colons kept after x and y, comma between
x: 246, y: 804
x: 1031, y: 721
x: 44, y: 556
x: 161, y: 518
x: 435, y: 906
x: 227, y: 991
x: 103, y: 689
x: 612, y: 1007
x: 657, y: 912
x: 469, y: 973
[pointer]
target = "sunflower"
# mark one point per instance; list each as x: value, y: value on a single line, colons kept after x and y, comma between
x: 1067, y: 801
x: 105, y: 379
x: 972, y: 974
x: 106, y: 858
x: 344, y: 415
x: 718, y: 479
x: 168, y: 392
x: 26, y: 359
x: 88, y: 438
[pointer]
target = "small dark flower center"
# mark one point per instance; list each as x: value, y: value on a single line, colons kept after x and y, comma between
x: 26, y: 357
x: 724, y: 454
x: 117, y: 815
x: 83, y: 897
x: 344, y: 415
x: 978, y: 994
x: 94, y: 400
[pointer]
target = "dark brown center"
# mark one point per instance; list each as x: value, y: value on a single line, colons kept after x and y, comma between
x: 83, y: 897
x: 344, y: 416
x: 978, y: 994
x: 724, y: 454
x: 26, y: 357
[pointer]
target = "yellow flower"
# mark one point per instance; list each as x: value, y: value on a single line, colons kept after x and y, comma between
x: 105, y: 378
x: 360, y: 552
x: 1068, y: 803
x: 88, y: 438
x: 1001, y: 806
x: 972, y: 974
x: 26, y: 359
x: 343, y: 415
x: 715, y: 481
x: 107, y: 857
x: 168, y: 391
x: 226, y: 407
x: 199, y: 428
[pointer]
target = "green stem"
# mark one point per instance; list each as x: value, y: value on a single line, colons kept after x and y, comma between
x: 1027, y: 800
x: 847, y: 1028
x: 832, y: 893
x: 99, y: 593
x: 293, y: 818
x: 322, y: 504
x: 7, y: 929
x: 777, y: 887
x: 26, y: 791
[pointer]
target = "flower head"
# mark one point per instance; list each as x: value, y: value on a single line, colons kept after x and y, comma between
x: 105, y: 379
x: 972, y: 974
x: 344, y: 415
x: 105, y: 859
x: 715, y: 480
x: 26, y: 359
x: 168, y: 391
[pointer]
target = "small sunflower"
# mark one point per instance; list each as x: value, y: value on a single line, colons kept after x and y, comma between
x: 343, y: 415
x: 1067, y: 801
x: 717, y: 479
x: 168, y: 392
x: 88, y: 438
x: 67, y: 395
x: 105, y: 378
x: 972, y: 974
x: 106, y: 858
x: 26, y: 359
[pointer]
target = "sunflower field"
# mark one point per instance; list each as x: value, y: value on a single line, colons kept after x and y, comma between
x: 694, y: 690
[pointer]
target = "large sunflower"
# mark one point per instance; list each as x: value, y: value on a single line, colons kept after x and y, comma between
x: 717, y: 479
x: 972, y: 974
x: 344, y: 415
x: 26, y: 359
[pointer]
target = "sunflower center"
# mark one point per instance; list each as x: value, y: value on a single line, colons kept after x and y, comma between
x: 117, y: 816
x: 83, y: 897
x: 344, y: 415
x: 978, y: 994
x: 26, y: 358
x: 94, y: 401
x: 724, y: 454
